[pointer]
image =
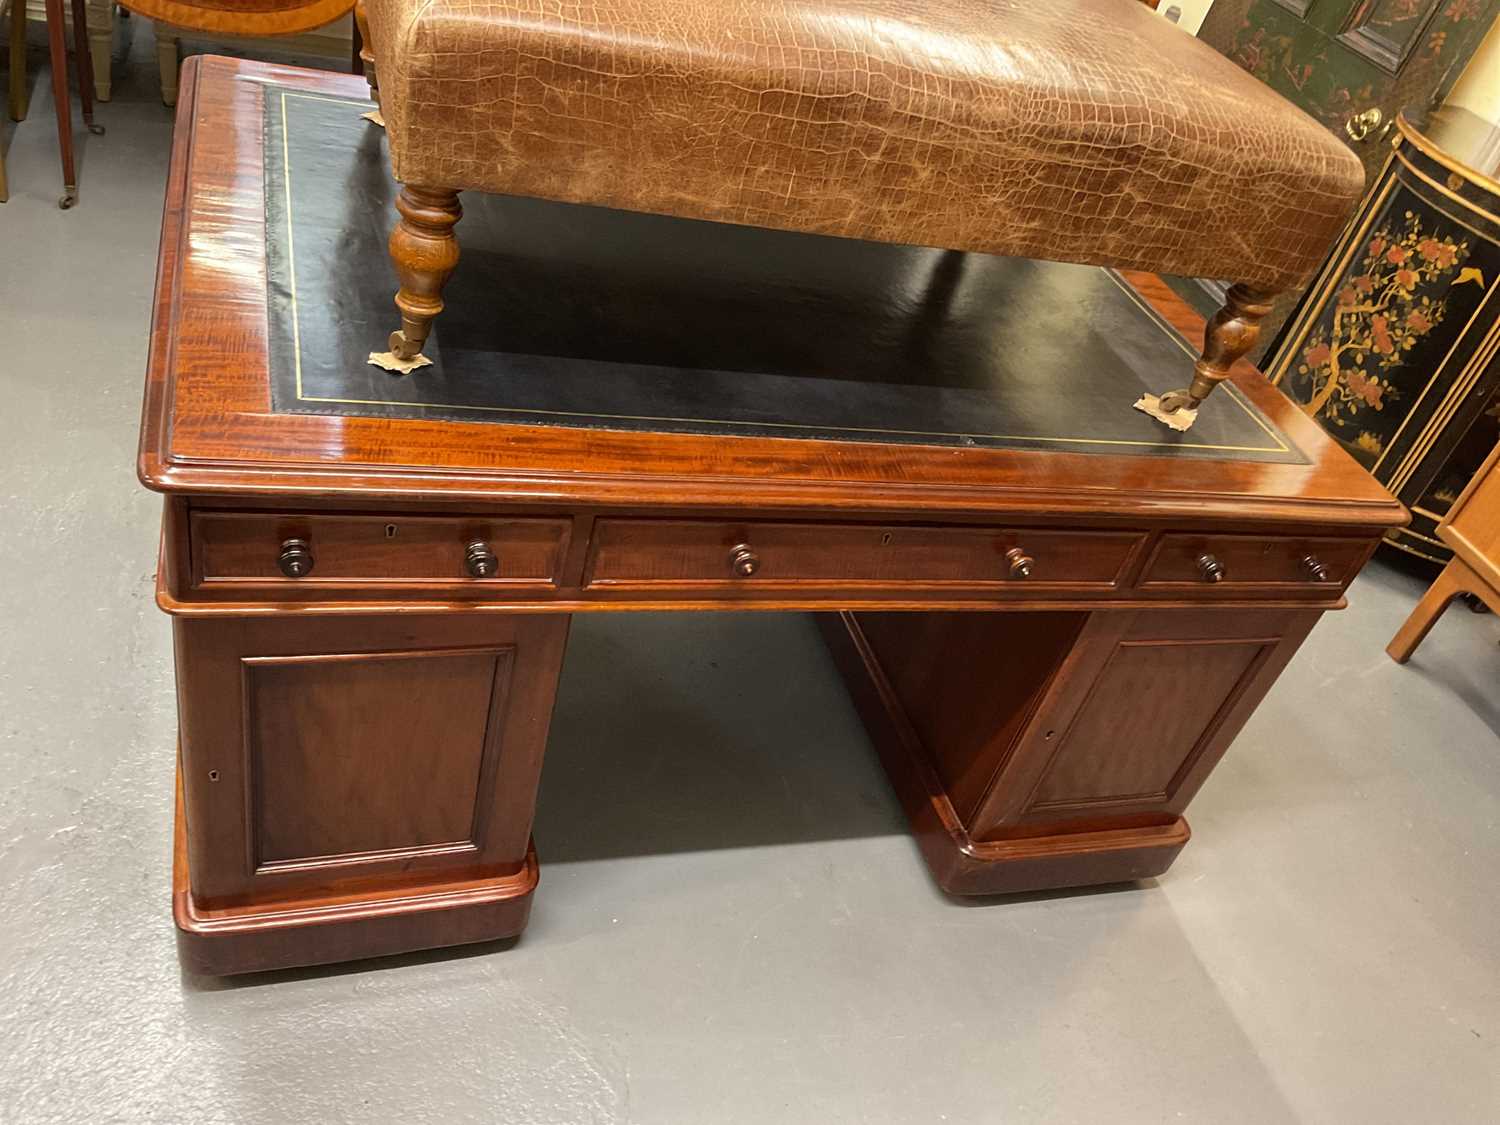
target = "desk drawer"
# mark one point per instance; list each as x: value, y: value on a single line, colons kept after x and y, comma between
x: 239, y: 548
x: 1244, y: 563
x: 643, y: 554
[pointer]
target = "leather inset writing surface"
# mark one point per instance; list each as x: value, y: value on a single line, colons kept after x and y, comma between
x: 585, y: 317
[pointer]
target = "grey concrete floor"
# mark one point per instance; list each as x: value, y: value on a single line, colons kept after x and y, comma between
x: 732, y: 925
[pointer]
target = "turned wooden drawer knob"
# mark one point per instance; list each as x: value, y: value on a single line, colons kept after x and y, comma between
x: 1020, y: 563
x: 1315, y: 569
x: 1211, y: 568
x: 480, y: 561
x: 743, y: 561
x: 296, y: 558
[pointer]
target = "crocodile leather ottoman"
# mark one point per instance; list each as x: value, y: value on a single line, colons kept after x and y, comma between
x: 1079, y: 131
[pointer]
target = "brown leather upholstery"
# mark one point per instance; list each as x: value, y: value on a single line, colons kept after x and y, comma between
x: 243, y: 17
x: 1078, y: 130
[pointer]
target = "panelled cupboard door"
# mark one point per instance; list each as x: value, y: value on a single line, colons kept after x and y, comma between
x: 1163, y: 697
x: 338, y: 748
x: 1073, y: 721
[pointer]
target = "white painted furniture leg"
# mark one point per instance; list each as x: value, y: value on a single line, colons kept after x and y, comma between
x: 102, y: 44
x: 167, y: 62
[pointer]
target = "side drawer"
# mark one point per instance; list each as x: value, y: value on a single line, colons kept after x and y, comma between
x: 646, y: 554
x: 231, y: 549
x: 1250, y: 563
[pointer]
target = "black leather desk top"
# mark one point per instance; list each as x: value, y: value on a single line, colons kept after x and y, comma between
x: 584, y: 317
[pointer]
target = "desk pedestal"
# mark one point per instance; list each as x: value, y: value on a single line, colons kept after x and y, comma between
x: 1034, y: 751
x: 357, y: 785
x: 364, y: 784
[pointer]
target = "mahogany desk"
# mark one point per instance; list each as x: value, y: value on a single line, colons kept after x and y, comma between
x: 371, y: 578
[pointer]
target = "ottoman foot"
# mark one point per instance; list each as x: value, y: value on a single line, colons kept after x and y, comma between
x: 1226, y: 338
x: 424, y: 251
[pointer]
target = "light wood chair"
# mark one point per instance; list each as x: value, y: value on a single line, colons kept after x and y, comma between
x: 1472, y: 529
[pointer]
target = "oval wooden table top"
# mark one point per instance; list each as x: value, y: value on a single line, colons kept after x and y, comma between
x: 243, y: 17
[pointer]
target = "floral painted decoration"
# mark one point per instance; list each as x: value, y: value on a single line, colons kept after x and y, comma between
x: 1381, y: 313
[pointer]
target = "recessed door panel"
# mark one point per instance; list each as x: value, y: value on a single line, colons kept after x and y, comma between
x: 368, y: 753
x: 326, y: 751
x: 1149, y: 714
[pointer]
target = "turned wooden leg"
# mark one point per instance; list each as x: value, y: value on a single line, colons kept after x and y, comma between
x: 1456, y: 579
x: 18, y: 60
x: 1229, y: 335
x: 57, y: 51
x: 424, y: 251
x: 366, y: 50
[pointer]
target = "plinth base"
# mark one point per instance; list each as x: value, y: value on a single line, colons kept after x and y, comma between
x: 320, y: 929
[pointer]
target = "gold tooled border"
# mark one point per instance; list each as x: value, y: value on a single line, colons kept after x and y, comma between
x: 1462, y: 378
x: 1447, y: 408
x: 1410, y: 550
x: 286, y: 176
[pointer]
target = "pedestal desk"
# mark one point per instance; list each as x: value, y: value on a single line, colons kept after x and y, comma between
x: 1054, y: 613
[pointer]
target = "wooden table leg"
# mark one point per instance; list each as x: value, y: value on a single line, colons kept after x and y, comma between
x: 57, y: 52
x: 18, y: 97
x: 83, y: 53
x: 356, y: 43
x: 364, y: 54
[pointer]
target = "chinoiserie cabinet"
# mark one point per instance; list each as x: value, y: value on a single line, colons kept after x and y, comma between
x: 1351, y: 65
x: 1393, y: 350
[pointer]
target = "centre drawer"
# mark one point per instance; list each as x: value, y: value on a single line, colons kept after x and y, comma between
x: 645, y: 554
x: 316, y: 550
